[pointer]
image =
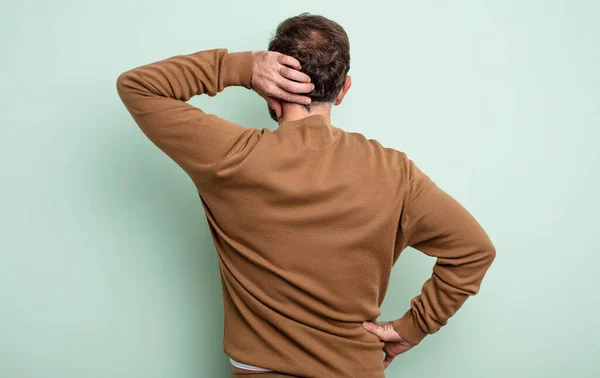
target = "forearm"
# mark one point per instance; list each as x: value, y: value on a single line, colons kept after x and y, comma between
x: 453, y: 281
x: 183, y: 76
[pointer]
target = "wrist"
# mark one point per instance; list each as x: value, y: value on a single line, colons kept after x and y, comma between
x: 237, y: 69
x: 408, y: 328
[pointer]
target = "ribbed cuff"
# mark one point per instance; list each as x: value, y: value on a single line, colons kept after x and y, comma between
x: 237, y: 69
x: 408, y: 328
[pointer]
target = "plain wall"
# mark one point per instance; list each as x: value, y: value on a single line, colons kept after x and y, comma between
x: 107, y: 267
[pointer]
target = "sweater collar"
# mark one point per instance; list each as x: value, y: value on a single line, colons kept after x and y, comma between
x: 314, y: 120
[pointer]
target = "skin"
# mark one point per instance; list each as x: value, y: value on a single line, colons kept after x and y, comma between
x: 277, y: 78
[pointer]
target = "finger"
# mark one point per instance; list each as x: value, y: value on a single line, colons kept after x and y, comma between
x: 293, y: 74
x: 295, y: 87
x: 289, y: 61
x: 373, y: 328
x: 387, y: 361
x: 290, y: 97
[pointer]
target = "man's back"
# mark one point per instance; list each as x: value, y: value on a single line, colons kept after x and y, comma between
x: 305, y: 220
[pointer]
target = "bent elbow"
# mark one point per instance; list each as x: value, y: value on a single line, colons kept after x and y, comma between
x: 121, y: 81
x: 490, y: 252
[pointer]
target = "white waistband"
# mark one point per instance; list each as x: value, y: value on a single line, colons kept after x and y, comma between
x: 246, y: 366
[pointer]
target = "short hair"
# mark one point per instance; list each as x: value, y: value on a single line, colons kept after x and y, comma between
x: 322, y: 48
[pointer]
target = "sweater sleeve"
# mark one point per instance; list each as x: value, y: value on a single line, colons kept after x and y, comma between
x: 436, y: 224
x: 156, y: 96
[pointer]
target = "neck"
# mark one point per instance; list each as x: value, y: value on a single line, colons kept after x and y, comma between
x: 293, y: 112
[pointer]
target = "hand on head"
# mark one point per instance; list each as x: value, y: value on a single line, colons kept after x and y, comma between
x: 277, y: 77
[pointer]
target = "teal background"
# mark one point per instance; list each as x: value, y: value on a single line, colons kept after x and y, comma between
x: 107, y: 268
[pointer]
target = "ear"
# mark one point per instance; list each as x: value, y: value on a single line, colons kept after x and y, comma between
x: 343, y: 91
x: 275, y: 105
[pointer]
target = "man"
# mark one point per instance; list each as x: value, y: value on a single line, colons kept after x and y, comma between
x: 307, y: 220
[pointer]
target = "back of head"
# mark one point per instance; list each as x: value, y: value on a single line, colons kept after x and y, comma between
x: 323, y: 49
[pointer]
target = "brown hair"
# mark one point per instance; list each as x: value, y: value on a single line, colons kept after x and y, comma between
x: 323, y: 49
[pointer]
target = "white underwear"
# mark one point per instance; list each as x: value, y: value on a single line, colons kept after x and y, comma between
x: 246, y: 366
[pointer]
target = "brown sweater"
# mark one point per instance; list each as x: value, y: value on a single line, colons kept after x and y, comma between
x: 308, y: 221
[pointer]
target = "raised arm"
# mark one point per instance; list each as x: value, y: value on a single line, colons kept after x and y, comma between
x: 436, y: 224
x: 156, y: 96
